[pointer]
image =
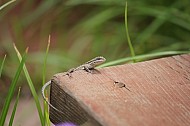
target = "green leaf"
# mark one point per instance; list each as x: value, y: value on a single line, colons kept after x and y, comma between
x: 2, y: 64
x: 14, y: 109
x: 11, y: 90
x: 31, y: 85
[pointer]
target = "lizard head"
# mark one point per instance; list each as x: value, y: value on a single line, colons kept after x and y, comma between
x: 97, y: 61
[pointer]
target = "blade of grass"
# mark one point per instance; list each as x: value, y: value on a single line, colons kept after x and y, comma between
x: 46, y: 114
x: 2, y: 64
x: 127, y: 33
x: 145, y: 56
x: 6, y: 4
x: 11, y: 90
x: 30, y: 83
x: 15, y: 107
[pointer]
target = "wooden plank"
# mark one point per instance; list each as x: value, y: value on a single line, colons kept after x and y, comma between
x: 159, y: 94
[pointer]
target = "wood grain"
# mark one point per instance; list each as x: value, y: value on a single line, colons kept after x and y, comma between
x: 158, y: 95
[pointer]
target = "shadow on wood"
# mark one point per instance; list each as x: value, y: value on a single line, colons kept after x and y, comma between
x: 159, y: 94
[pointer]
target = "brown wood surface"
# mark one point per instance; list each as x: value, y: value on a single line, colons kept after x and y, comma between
x: 159, y: 94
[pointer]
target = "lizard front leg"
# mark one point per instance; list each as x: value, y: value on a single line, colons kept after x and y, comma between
x: 88, y: 68
x: 70, y: 71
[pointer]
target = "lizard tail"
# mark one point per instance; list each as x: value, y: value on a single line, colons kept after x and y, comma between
x: 43, y: 95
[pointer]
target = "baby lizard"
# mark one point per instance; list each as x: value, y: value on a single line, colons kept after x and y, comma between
x: 88, y: 66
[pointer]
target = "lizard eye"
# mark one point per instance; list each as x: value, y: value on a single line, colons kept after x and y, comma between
x: 100, y: 58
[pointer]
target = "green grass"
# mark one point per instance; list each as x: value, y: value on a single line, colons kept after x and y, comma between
x: 32, y: 88
x: 46, y: 112
x: 11, y: 90
x: 143, y: 57
x: 127, y: 33
x: 2, y: 64
x: 14, y: 108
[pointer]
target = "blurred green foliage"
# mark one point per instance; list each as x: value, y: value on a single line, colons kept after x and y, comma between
x: 83, y: 29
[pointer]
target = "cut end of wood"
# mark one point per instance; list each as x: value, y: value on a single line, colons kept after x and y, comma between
x: 71, y: 110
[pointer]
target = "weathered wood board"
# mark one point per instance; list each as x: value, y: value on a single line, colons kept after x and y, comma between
x: 159, y: 94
